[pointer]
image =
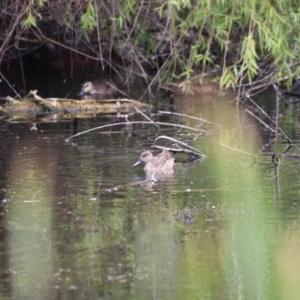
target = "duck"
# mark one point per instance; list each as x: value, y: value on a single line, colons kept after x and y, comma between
x: 102, y: 88
x: 162, y: 163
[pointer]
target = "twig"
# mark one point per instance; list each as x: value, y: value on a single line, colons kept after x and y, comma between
x: 279, y: 129
x: 188, y: 116
x: 145, y: 116
x: 260, y: 109
x: 237, y: 150
x: 178, y: 149
x: 258, y: 119
x: 114, y: 87
x: 276, y: 118
x: 292, y: 155
x: 140, y: 122
x: 17, y: 94
x: 48, y: 104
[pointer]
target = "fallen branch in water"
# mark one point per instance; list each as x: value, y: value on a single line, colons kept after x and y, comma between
x: 188, y: 117
x: 284, y: 155
x: 237, y: 150
x: 192, y: 152
x: 259, y: 120
x: 146, y: 117
x: 274, y: 123
x: 136, y: 122
x: 179, y: 146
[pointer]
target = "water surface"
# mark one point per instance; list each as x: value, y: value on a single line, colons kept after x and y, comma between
x: 76, y: 225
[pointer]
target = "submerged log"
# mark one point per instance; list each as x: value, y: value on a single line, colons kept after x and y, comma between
x: 33, y: 104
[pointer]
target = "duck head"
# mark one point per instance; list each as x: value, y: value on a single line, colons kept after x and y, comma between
x: 87, y: 88
x: 145, y: 157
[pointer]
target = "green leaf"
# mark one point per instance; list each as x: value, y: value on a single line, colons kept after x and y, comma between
x: 29, y: 21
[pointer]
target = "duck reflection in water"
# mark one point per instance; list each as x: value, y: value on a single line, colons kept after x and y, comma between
x: 157, y: 168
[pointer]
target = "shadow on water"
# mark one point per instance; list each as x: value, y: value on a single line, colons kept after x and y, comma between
x: 222, y: 228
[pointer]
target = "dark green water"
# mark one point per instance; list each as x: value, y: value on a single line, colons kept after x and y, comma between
x: 74, y: 227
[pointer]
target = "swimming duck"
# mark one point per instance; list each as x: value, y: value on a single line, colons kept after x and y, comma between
x: 163, y: 163
x: 103, y: 88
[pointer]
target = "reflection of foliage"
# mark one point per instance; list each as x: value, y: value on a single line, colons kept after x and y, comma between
x: 175, y: 38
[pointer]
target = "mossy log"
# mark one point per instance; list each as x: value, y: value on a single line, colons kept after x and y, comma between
x: 33, y: 104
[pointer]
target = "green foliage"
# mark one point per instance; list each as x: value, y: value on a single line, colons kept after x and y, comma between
x: 249, y: 33
x: 241, y: 39
x: 88, y: 19
x: 32, y: 13
x: 41, y: 3
x: 249, y: 58
x: 29, y: 21
x: 129, y: 9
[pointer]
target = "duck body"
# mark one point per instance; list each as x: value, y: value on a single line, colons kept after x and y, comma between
x: 162, y: 163
x: 102, y: 88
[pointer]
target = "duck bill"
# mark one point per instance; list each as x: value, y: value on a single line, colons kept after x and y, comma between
x: 82, y: 93
x: 137, y: 163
